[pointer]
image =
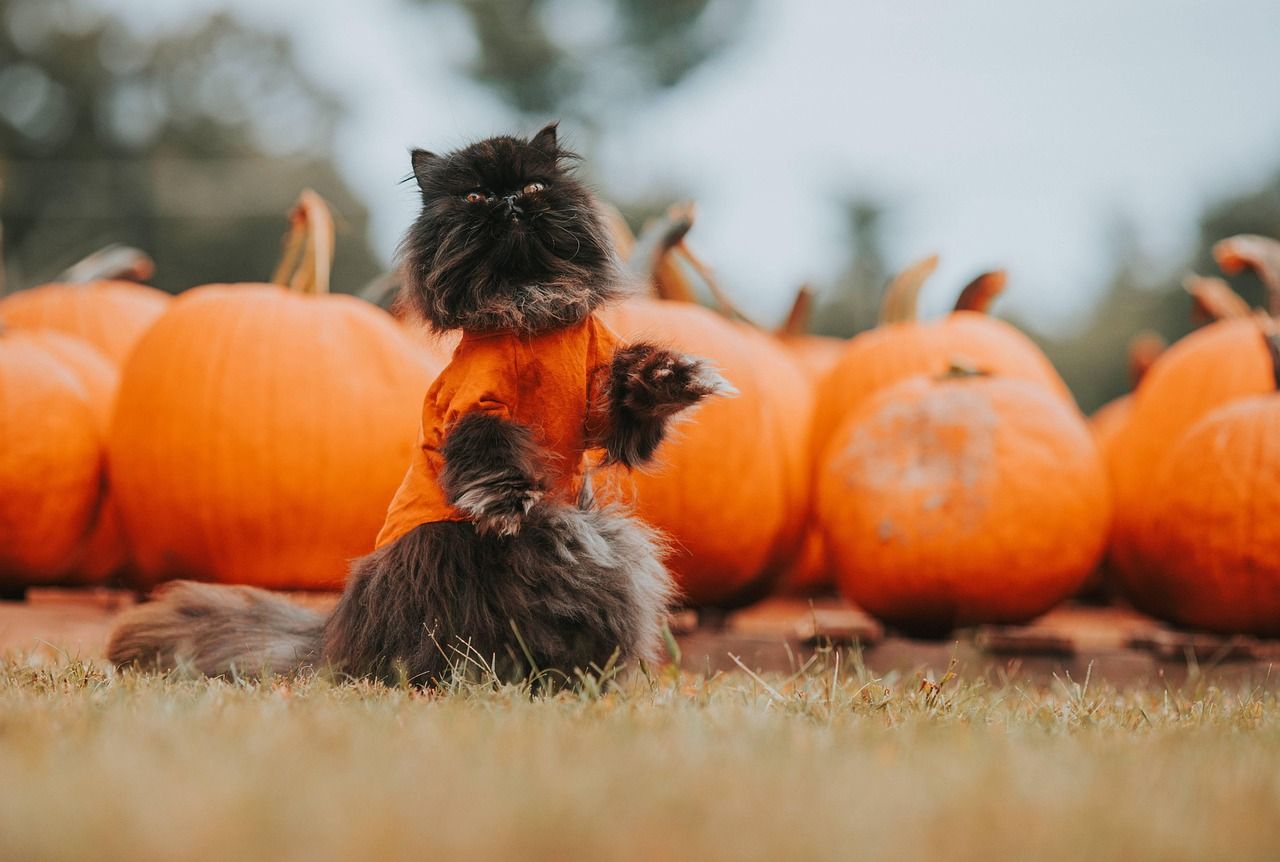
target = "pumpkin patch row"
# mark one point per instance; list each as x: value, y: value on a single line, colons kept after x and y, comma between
x: 937, y: 472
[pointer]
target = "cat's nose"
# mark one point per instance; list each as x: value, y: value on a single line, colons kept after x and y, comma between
x: 512, y: 207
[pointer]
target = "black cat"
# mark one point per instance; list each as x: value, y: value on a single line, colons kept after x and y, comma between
x: 494, y: 555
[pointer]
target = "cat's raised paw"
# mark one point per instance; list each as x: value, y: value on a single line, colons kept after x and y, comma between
x: 653, y: 381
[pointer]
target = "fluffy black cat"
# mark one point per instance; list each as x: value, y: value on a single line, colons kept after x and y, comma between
x: 516, y: 578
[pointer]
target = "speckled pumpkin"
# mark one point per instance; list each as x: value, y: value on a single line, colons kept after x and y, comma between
x: 960, y: 500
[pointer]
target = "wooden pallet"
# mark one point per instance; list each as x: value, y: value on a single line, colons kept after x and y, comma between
x: 781, y: 634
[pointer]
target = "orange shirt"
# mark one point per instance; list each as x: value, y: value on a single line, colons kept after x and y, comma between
x: 546, y: 382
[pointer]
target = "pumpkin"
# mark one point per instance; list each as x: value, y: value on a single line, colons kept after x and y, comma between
x: 961, y: 499
x: 727, y: 545
x: 105, y: 551
x: 110, y: 315
x: 262, y: 429
x: 1209, y: 533
x: 902, y: 346
x: 730, y: 488
x: 1211, y: 367
x: 50, y: 462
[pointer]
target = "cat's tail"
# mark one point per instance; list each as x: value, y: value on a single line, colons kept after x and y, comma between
x: 216, y: 630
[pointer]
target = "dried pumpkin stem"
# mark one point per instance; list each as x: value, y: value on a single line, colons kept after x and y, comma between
x: 982, y: 291
x: 115, y: 261
x: 724, y: 303
x: 1259, y: 253
x: 650, y: 258
x: 307, y: 259
x: 1213, y: 299
x: 1144, y: 349
x: 797, y: 322
x: 902, y: 295
x: 960, y: 368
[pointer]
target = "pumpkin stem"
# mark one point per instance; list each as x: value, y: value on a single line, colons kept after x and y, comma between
x: 116, y: 262
x: 797, y: 322
x: 624, y: 241
x: 1259, y: 253
x: 382, y: 290
x: 724, y: 304
x: 307, y: 258
x: 903, y: 293
x: 959, y: 368
x: 1144, y: 349
x: 1213, y: 299
x: 650, y: 258
x: 982, y: 291
x: 661, y: 250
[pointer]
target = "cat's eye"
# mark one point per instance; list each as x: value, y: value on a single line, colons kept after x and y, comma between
x: 533, y: 188
x: 475, y: 197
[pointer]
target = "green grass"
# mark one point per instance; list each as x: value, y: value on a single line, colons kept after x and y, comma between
x: 829, y: 764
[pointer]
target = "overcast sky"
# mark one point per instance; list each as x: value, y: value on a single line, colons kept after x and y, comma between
x: 1003, y: 133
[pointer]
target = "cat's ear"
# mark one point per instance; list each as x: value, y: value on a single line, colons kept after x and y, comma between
x: 545, y: 140
x: 422, y: 162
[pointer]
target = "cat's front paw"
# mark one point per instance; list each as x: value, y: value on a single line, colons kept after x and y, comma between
x: 499, y: 510
x: 653, y: 381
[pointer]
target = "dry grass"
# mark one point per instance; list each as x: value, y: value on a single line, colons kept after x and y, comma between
x: 823, y: 765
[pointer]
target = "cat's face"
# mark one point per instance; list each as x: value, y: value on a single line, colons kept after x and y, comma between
x: 507, y: 239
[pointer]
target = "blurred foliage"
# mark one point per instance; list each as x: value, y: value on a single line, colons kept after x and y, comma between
x: 190, y: 144
x: 852, y: 303
x: 578, y: 60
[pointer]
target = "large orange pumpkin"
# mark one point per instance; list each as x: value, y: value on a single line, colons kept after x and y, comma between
x: 731, y: 485
x: 731, y: 456
x: 260, y: 430
x: 50, y: 462
x: 110, y: 315
x: 1223, y: 362
x: 902, y: 346
x: 1208, y: 534
x: 956, y: 500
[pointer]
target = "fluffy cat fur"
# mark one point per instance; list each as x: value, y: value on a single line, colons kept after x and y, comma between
x: 507, y: 239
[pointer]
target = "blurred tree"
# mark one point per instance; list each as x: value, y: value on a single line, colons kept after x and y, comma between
x: 579, y: 61
x: 190, y: 143
x: 852, y: 304
x: 585, y: 62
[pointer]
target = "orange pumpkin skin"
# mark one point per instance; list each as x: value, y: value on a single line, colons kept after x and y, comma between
x: 1210, y: 367
x: 731, y: 486
x: 816, y: 354
x: 50, y: 462
x: 259, y: 435
x: 110, y: 315
x: 961, y: 501
x: 1209, y: 537
x: 892, y: 352
x: 105, y: 551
